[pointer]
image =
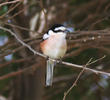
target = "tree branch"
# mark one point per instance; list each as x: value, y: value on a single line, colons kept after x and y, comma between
x: 42, y: 55
x: 75, y: 82
x: 5, y: 3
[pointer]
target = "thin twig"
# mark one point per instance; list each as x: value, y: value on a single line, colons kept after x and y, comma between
x: 16, y: 61
x: 23, y: 43
x: 17, y: 73
x: 10, y: 10
x: 75, y: 82
x: 5, y: 3
x: 19, y: 27
x: 16, y: 14
x: 97, y: 60
x: 18, y: 48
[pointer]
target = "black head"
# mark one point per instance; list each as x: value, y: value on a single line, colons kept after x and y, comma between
x: 55, y: 29
x: 56, y: 26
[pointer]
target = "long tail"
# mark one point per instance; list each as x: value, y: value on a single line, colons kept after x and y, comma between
x: 49, y: 72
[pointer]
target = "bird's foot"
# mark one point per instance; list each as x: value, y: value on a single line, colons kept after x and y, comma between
x: 59, y: 61
x: 47, y: 58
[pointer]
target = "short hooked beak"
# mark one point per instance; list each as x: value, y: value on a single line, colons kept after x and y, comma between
x: 67, y: 30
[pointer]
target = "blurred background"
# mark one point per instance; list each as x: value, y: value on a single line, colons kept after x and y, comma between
x: 22, y: 74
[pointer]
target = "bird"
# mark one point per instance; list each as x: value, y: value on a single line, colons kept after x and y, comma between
x: 54, y: 46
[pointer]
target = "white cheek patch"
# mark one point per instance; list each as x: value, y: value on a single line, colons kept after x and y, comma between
x: 60, y: 28
x: 46, y: 36
x: 51, y: 32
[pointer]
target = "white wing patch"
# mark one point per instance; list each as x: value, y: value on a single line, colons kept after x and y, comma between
x: 60, y: 28
x: 45, y: 36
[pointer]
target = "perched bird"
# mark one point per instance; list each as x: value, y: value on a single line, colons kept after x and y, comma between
x: 54, y: 46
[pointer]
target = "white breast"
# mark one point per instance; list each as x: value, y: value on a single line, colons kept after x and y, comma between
x: 56, y: 47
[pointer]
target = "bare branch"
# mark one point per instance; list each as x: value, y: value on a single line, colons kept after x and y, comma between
x: 5, y: 3
x: 16, y: 61
x: 42, y: 55
x: 23, y: 43
x: 16, y: 73
x: 74, y: 84
x: 11, y: 9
